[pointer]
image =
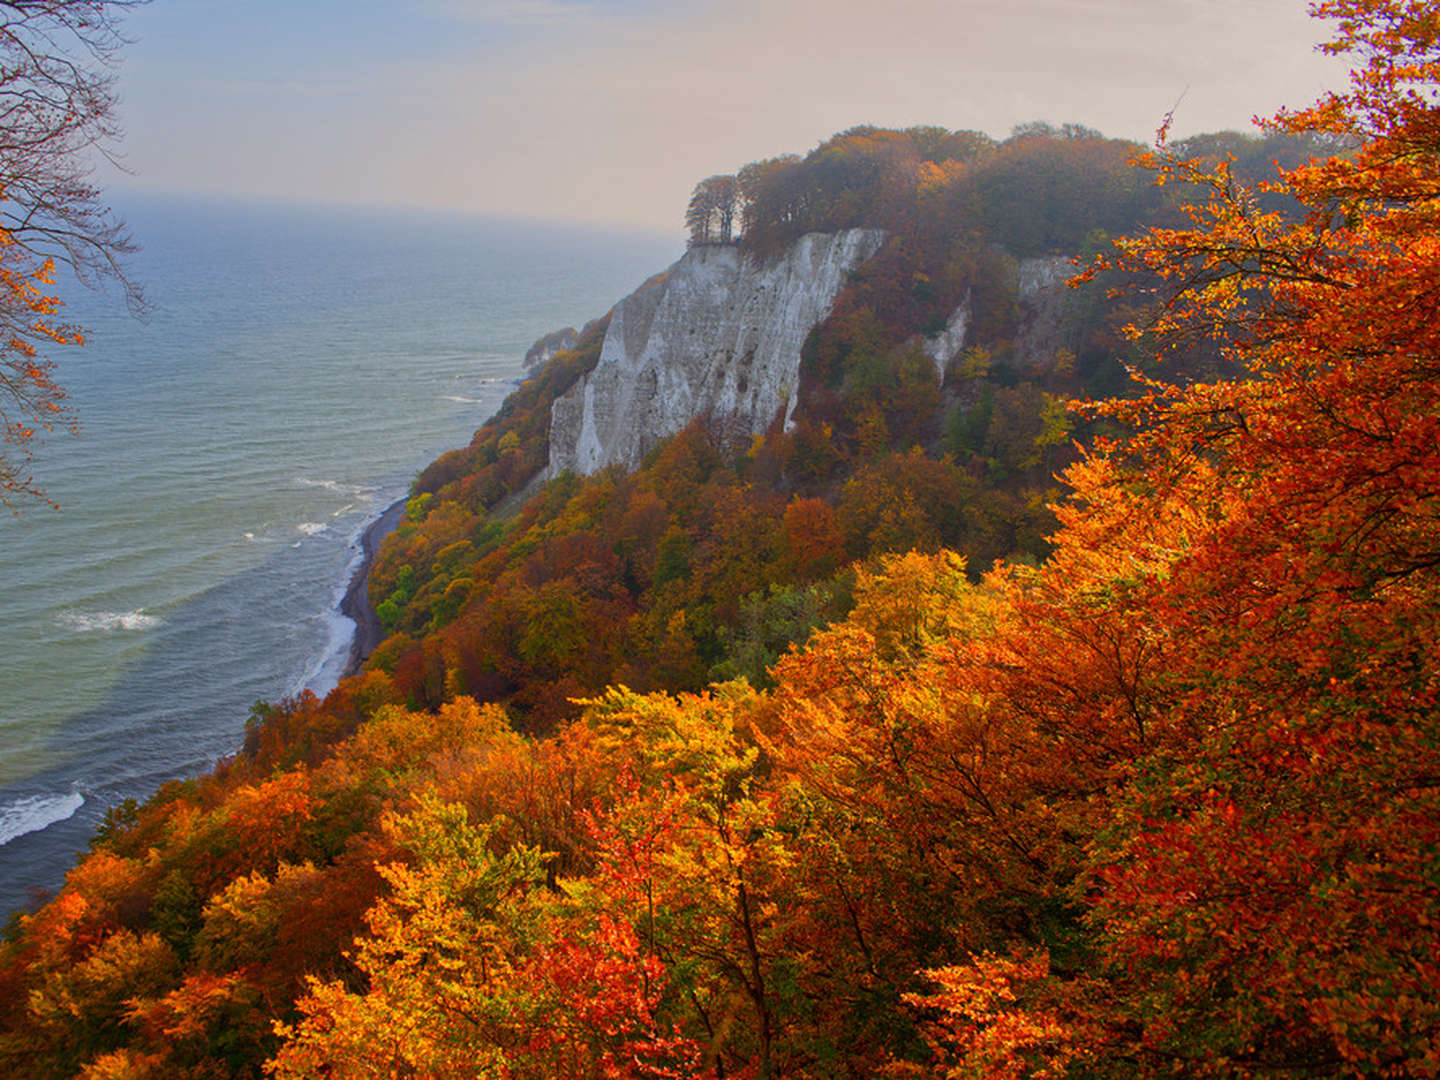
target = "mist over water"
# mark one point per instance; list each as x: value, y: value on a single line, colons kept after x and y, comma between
x: 299, y: 367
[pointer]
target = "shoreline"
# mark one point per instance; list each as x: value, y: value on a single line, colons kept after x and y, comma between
x: 355, y: 604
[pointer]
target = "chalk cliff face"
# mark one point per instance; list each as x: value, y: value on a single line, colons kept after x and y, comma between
x: 1041, y: 296
x: 541, y: 352
x: 946, y: 345
x: 718, y: 336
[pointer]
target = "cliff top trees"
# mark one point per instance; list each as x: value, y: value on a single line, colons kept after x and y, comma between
x: 57, y: 109
x: 713, y: 206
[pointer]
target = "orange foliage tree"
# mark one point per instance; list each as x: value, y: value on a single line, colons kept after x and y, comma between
x: 474, y: 968
x: 57, y: 102
x: 1239, y: 629
x: 31, y: 400
x: 1165, y: 805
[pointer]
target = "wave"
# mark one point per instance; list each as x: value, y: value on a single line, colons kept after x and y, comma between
x: 86, y: 622
x: 336, y: 486
x: 324, y: 668
x: 312, y: 528
x: 36, y: 812
x: 489, y: 399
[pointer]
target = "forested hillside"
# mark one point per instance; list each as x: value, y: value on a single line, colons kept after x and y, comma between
x: 1129, y: 773
x: 712, y: 557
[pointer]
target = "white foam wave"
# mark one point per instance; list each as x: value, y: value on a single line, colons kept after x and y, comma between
x: 261, y: 534
x: 324, y: 668
x: 336, y: 486
x: 36, y: 812
x: 462, y: 400
x: 86, y: 622
x: 312, y: 528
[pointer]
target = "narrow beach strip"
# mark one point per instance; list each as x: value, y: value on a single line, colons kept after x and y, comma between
x: 355, y: 604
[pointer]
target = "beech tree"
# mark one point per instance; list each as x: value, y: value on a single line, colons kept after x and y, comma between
x: 1166, y: 805
x: 1245, y: 600
x: 713, y: 205
x: 57, y: 112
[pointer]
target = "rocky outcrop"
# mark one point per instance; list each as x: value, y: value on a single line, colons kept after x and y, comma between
x: 946, y: 345
x: 1044, y: 299
x: 552, y: 343
x: 718, y: 336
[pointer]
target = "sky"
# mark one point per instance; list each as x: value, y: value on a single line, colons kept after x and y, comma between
x: 609, y: 111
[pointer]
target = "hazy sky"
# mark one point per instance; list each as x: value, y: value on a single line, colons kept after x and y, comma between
x: 611, y: 110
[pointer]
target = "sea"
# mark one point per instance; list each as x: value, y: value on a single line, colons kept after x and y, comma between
x: 297, y: 367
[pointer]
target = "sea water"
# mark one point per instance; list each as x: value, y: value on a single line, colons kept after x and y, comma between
x: 298, y: 366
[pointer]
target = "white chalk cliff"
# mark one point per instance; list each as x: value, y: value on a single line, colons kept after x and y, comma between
x: 946, y: 345
x: 718, y: 336
x: 1042, y: 298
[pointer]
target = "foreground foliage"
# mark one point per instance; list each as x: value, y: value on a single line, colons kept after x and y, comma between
x: 1167, y: 804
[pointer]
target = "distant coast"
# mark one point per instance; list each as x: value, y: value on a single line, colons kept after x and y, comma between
x: 355, y: 604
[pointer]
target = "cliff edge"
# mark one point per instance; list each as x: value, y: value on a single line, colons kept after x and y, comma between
x: 719, y: 335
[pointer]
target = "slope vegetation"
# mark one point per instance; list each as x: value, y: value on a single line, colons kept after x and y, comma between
x: 1155, y: 797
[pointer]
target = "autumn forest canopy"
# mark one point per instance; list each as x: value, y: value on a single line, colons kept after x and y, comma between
x: 1063, y: 708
